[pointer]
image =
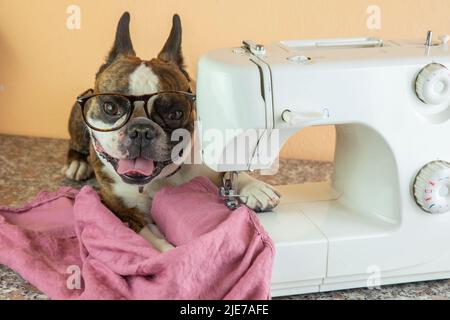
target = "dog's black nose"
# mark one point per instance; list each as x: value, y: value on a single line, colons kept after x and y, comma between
x: 142, y: 131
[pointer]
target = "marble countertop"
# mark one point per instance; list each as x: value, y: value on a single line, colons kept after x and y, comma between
x: 29, y: 165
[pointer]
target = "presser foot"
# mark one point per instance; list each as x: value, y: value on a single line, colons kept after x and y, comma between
x: 229, y: 190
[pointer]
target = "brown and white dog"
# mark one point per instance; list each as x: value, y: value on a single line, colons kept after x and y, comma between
x: 144, y: 141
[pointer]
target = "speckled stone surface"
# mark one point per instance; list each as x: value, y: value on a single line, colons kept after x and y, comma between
x: 29, y: 165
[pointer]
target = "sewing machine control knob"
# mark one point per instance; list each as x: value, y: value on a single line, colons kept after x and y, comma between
x: 293, y: 118
x: 444, y: 39
x: 433, y: 84
x: 432, y: 187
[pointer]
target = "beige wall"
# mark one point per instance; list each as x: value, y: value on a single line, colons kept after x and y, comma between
x: 44, y: 65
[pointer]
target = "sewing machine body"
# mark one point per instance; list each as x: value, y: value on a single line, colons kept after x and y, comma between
x: 365, y: 227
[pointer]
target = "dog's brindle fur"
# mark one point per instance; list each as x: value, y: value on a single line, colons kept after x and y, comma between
x: 116, y: 76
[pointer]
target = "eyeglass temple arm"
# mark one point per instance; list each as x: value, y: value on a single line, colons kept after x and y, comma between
x: 85, y: 94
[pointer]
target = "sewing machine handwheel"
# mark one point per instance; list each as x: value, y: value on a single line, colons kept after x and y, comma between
x: 433, y: 84
x: 432, y: 187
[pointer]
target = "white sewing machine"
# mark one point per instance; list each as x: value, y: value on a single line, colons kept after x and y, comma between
x: 385, y: 215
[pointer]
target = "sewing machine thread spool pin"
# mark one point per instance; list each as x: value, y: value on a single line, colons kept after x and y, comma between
x: 429, y: 39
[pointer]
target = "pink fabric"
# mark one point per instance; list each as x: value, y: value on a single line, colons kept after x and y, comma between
x: 220, y: 254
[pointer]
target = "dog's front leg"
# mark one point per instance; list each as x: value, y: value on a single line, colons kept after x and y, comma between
x: 159, y: 243
x: 256, y: 194
x: 77, y: 166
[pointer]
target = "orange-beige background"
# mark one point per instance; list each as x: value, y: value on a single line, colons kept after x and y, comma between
x: 44, y: 65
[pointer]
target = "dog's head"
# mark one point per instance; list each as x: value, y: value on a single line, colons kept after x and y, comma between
x: 140, y: 149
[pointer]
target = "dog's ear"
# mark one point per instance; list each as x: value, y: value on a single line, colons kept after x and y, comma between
x: 122, y: 43
x: 171, y: 52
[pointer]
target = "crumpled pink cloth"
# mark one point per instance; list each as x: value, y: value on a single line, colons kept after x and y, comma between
x: 70, y: 246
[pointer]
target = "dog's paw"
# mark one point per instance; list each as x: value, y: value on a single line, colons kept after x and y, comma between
x: 77, y: 170
x: 160, y: 244
x: 163, y: 246
x: 259, y: 196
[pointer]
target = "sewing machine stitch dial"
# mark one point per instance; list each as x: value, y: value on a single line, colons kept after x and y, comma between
x: 433, y: 84
x: 432, y: 187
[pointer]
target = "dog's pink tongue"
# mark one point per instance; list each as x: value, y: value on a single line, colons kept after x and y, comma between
x: 138, y: 165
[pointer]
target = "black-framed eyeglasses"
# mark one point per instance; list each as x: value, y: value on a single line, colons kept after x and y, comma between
x: 111, y: 111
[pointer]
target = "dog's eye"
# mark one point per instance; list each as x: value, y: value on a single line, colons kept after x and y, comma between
x: 176, y: 115
x: 111, y: 109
